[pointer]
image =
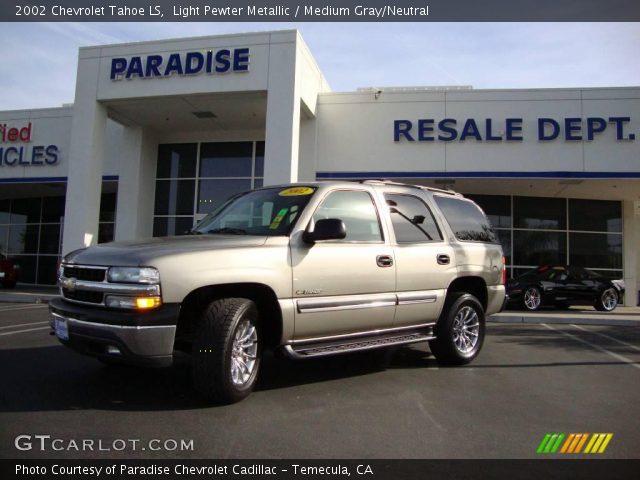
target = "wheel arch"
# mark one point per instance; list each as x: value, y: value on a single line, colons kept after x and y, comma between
x: 196, y: 301
x: 476, y: 286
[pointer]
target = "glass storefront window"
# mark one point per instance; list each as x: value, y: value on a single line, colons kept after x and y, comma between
x: 166, y: 226
x: 50, y: 239
x: 47, y: 269
x: 259, y: 170
x: 30, y: 231
x: 52, y: 209
x: 212, y: 193
x: 536, y: 213
x: 596, y: 250
x: 174, y: 197
x: 543, y: 231
x: 496, y: 207
x: 226, y: 159
x: 535, y: 248
x: 28, y: 267
x: 4, y: 241
x: 23, y: 239
x: 108, y: 207
x: 595, y: 215
x: 26, y: 210
x: 5, y: 211
x: 177, y: 160
x: 221, y: 170
x: 106, y: 232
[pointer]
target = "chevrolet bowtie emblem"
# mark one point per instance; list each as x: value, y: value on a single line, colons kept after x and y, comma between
x: 69, y: 284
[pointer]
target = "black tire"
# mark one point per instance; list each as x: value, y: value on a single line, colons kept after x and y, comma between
x: 449, y: 347
x: 607, y: 300
x: 216, y: 375
x: 8, y: 284
x: 531, y: 299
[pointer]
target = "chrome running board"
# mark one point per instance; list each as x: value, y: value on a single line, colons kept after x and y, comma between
x: 322, y: 349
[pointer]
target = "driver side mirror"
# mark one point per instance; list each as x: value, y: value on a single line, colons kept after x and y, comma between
x: 326, y: 229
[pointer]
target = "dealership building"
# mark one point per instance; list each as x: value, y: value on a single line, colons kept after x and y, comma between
x: 161, y: 132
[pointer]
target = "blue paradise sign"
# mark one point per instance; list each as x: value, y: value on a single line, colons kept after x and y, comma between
x: 210, y: 62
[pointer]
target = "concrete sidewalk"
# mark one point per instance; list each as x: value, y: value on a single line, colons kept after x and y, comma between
x: 621, y: 316
x: 28, y: 294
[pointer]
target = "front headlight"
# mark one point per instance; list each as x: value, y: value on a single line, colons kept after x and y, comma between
x: 145, y: 275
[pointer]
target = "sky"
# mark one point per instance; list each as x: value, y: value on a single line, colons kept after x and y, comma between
x: 40, y: 59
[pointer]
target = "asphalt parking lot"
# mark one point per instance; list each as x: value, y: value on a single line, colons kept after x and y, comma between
x: 530, y: 379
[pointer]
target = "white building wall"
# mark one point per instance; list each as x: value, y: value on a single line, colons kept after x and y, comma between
x: 49, y: 126
x: 355, y: 131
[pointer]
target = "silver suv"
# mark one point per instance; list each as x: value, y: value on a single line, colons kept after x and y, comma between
x: 308, y: 269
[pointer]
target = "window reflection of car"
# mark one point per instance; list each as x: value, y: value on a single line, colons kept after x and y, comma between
x: 562, y: 286
x: 8, y: 272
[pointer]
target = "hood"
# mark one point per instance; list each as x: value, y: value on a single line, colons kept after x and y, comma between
x: 144, y: 252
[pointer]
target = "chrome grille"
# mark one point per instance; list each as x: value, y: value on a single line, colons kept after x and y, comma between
x: 84, y: 273
x: 83, y: 296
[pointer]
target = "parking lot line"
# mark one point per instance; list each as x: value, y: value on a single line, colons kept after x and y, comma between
x: 607, y: 336
x: 617, y: 356
x: 21, y: 307
x: 22, y: 325
x: 23, y: 331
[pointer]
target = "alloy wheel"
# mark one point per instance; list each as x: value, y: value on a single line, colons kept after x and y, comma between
x: 609, y: 299
x: 244, y: 353
x: 532, y: 298
x: 466, y: 327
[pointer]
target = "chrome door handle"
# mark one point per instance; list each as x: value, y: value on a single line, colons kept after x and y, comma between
x: 443, y: 259
x: 384, y: 261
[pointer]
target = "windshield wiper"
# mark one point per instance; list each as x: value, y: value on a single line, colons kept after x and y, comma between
x: 229, y: 230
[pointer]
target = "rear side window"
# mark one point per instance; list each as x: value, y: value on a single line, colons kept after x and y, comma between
x: 466, y: 220
x: 412, y: 220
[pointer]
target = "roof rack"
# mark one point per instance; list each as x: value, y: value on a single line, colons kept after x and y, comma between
x: 386, y: 181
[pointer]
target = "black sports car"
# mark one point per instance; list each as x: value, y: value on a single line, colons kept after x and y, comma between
x: 561, y: 286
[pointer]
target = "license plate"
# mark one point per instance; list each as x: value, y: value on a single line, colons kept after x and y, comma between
x: 61, y: 328
x: 1, y: 274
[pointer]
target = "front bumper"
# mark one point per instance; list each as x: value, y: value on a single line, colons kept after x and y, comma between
x: 130, y: 337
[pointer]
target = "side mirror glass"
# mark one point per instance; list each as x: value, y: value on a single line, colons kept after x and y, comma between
x: 326, y: 229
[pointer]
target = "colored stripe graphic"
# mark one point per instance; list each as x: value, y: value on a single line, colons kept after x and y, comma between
x: 581, y: 442
x: 568, y: 442
x: 550, y: 443
x: 598, y: 442
x: 574, y: 443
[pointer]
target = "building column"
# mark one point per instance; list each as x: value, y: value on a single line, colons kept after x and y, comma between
x: 86, y: 158
x: 283, y: 116
x: 631, y: 222
x: 136, y: 185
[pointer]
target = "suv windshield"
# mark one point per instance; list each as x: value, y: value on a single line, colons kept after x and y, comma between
x: 269, y: 211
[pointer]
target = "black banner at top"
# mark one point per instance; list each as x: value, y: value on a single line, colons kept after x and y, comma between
x: 319, y: 10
